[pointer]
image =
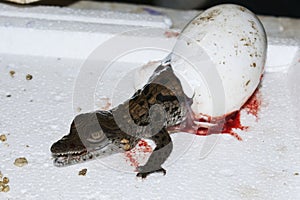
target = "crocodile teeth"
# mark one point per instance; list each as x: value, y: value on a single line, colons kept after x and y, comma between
x: 69, y: 158
x: 68, y: 153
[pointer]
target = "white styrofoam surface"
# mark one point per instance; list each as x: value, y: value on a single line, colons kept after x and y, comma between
x: 39, y: 112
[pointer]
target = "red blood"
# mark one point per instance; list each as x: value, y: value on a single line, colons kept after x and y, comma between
x: 145, y: 146
x: 261, y: 77
x: 233, y: 122
x: 130, y: 157
x: 141, y: 148
x: 142, y: 143
x: 252, y: 106
x: 227, y: 124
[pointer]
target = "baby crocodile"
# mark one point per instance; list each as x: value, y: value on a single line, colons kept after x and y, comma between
x: 152, y: 113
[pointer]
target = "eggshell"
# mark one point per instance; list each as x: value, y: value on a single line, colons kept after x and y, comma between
x: 219, y: 58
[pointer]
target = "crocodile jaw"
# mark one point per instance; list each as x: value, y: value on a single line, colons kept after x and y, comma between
x: 71, y: 158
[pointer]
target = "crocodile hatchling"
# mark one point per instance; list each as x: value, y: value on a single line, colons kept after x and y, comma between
x: 162, y: 107
x: 154, y: 111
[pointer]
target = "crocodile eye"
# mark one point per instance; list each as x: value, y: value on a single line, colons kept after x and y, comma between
x: 97, y: 136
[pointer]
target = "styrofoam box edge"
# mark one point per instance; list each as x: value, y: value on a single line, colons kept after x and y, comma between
x: 73, y: 33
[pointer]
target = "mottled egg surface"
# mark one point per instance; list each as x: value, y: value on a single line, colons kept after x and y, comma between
x: 220, y: 57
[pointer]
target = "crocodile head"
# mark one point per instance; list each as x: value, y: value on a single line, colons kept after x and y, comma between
x: 91, y: 135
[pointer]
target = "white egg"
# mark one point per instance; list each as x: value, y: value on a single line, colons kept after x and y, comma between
x: 219, y: 58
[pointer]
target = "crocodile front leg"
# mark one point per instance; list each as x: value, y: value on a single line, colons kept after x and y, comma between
x: 160, y: 154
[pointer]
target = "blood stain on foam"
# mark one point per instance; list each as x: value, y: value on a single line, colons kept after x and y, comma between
x: 229, y: 123
x: 225, y: 125
x: 233, y: 122
x: 252, y: 106
x: 138, y: 153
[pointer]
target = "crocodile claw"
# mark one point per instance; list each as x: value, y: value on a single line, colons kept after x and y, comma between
x: 144, y: 173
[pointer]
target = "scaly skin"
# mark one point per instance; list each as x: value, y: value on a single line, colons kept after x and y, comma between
x: 159, y: 106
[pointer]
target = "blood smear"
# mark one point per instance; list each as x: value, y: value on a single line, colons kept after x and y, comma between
x: 252, y: 106
x: 226, y: 125
x: 232, y: 122
x: 133, y: 156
